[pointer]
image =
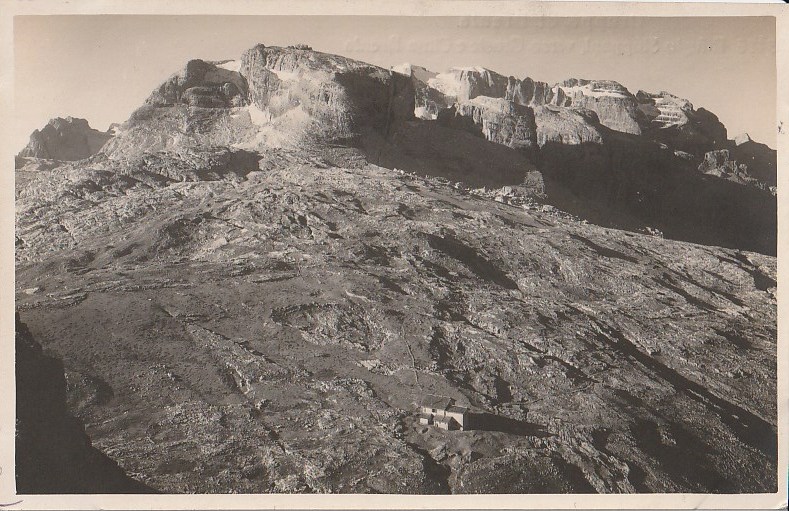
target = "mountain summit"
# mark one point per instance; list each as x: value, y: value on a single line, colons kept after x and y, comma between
x: 66, y: 139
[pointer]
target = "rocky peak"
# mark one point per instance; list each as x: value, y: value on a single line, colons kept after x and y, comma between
x: 417, y: 72
x: 664, y: 109
x: 270, y: 97
x: 674, y: 121
x: 464, y: 83
x: 202, y: 84
x: 68, y: 139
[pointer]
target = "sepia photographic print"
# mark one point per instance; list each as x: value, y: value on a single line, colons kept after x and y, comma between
x: 455, y: 251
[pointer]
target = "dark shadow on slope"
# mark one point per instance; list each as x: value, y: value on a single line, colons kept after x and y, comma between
x: 748, y: 427
x: 761, y: 160
x: 426, y: 148
x: 680, y: 456
x: 636, y: 181
x: 761, y: 281
x: 604, y: 251
x: 629, y: 182
x: 53, y: 453
x: 489, y: 422
x: 481, y: 267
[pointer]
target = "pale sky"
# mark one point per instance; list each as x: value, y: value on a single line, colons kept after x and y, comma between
x: 103, y: 67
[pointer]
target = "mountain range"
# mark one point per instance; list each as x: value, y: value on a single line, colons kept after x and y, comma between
x: 254, y: 279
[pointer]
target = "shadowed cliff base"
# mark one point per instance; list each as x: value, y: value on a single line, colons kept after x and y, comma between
x: 625, y: 183
x: 53, y: 453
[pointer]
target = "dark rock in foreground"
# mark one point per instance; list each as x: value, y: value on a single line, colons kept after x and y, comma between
x: 53, y: 453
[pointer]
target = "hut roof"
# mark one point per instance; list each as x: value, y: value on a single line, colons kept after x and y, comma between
x: 437, y: 402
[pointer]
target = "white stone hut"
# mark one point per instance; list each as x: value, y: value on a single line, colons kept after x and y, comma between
x: 441, y: 411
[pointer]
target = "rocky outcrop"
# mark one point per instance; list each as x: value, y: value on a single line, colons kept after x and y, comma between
x: 722, y: 164
x: 271, y: 97
x: 68, y: 139
x: 672, y: 120
x: 568, y: 126
x: 719, y: 163
x: 761, y: 159
x: 498, y: 120
x: 615, y: 106
x: 340, y: 96
x: 53, y: 453
x: 202, y: 84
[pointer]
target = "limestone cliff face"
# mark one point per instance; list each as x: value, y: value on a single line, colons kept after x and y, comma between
x: 532, y: 93
x: 497, y: 119
x: 568, y: 126
x: 441, y: 90
x: 343, y: 96
x: 464, y: 83
x: 615, y: 106
x: 68, y: 139
x: 672, y: 120
x: 201, y: 84
x: 271, y: 97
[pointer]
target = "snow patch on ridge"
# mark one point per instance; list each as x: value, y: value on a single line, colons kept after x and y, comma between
x: 471, y: 69
x: 258, y: 116
x: 421, y: 112
x: 445, y: 83
x: 231, y: 65
x: 588, y: 90
x: 285, y: 75
x: 403, y: 69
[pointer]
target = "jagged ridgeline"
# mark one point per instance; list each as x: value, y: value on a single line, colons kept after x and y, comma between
x: 254, y: 281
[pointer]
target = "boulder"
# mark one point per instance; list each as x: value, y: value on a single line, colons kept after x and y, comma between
x: 742, y: 138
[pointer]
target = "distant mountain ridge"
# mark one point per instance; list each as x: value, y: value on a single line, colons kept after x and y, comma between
x: 67, y: 139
